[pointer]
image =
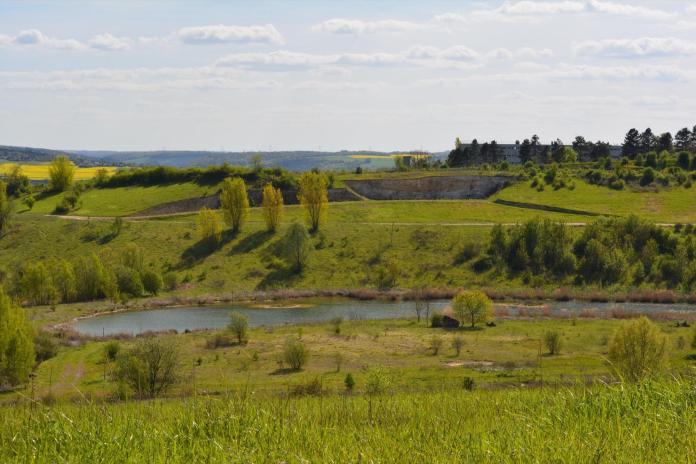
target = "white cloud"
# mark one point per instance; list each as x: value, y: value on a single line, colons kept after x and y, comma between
x: 455, y: 57
x: 108, y: 42
x: 359, y: 27
x: 636, y: 48
x: 533, y: 11
x: 219, y: 34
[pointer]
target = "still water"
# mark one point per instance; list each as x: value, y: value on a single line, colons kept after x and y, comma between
x: 215, y: 317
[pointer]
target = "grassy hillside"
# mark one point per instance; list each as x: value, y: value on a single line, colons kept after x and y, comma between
x: 671, y: 205
x: 125, y: 200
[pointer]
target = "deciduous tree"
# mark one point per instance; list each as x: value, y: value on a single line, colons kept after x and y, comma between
x: 61, y: 173
x: 313, y: 196
x: 234, y: 202
x: 272, y: 204
x: 472, y: 306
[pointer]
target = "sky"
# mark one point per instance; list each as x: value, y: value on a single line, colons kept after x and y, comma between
x: 333, y: 75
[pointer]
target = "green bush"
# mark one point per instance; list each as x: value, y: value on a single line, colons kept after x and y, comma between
x: 295, y: 353
x: 152, y: 282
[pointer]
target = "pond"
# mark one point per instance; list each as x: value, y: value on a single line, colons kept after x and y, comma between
x: 216, y: 317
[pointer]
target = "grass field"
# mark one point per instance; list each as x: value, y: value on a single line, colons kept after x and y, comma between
x: 125, y: 200
x: 40, y: 171
x: 670, y: 205
x: 502, y: 356
x: 652, y: 423
x: 238, y: 409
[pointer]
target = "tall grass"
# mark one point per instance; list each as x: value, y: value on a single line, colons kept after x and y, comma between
x: 649, y: 423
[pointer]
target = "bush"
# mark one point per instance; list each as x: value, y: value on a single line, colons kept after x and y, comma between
x: 617, y: 184
x: 469, y: 251
x: 220, y: 340
x: 128, y: 281
x: 336, y: 323
x: 483, y: 264
x: 648, y: 177
x: 552, y: 340
x: 311, y: 388
x: 457, y: 344
x: 239, y: 325
x: 637, y: 350
x: 295, y: 353
x: 349, y: 382
x: 436, y: 320
x: 152, y: 282
x: 45, y: 346
x: 170, y: 281
x: 468, y: 384
x: 150, y: 368
x: 435, y: 345
x: 111, y: 350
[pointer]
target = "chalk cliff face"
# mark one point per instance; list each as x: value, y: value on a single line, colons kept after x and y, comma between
x: 429, y: 188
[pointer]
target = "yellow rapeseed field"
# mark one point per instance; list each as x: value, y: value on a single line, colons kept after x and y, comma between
x: 40, y: 171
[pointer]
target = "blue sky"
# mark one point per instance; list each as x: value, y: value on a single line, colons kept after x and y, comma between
x: 382, y: 75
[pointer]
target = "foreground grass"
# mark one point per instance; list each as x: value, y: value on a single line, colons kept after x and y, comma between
x: 650, y: 423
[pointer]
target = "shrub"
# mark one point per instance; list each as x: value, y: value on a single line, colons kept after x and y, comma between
x: 648, y: 177
x: 552, y: 340
x: 483, y: 264
x: 637, y: 350
x: 469, y: 251
x: 457, y: 344
x: 336, y: 323
x: 349, y: 382
x: 295, y: 353
x: 61, y: 173
x: 128, y: 281
x: 296, y: 247
x: 239, y: 325
x: 220, y: 340
x: 617, y: 184
x: 45, y: 346
x: 311, y: 388
x: 435, y: 345
x: 111, y: 350
x: 313, y: 197
x: 436, y: 320
x: 468, y: 384
x: 152, y: 282
x: 150, y: 368
x: 170, y: 281
x: 209, y: 228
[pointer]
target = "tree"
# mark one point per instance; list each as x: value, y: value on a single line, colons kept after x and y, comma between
x: 637, y: 350
x: 297, y: 246
x: 209, y: 228
x: 149, y: 368
x: 295, y: 353
x: 61, y: 173
x: 152, y: 281
x: 682, y: 139
x: 525, y: 151
x: 552, y: 340
x: 37, y: 285
x: 239, y: 325
x: 472, y: 306
x: 272, y: 204
x: 631, y: 145
x: 313, y: 196
x: 665, y: 142
x: 5, y: 209
x: 648, y: 141
x: 64, y: 281
x: 234, y: 202
x: 16, y: 346
x: 569, y: 155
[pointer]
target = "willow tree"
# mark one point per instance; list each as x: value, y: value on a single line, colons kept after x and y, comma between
x: 234, y: 202
x: 61, y: 173
x: 314, y: 198
x: 16, y: 345
x: 272, y: 207
x: 209, y: 228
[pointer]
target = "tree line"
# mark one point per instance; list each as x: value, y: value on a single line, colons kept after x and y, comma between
x: 619, y: 251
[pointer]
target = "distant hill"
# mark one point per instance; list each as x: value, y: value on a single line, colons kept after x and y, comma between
x: 291, y: 160
x: 43, y: 155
